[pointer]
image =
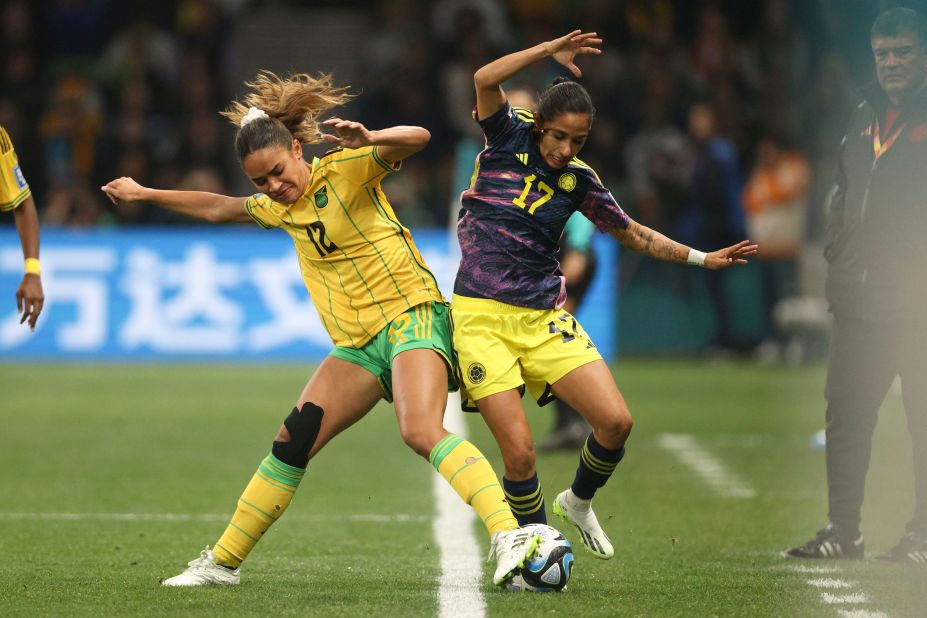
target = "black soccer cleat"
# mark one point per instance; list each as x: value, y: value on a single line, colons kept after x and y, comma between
x: 911, y: 549
x: 829, y: 544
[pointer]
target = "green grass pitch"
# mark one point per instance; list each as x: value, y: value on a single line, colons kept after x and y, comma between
x: 94, y: 457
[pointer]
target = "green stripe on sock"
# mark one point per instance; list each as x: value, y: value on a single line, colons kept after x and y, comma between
x: 265, y: 514
x: 462, y: 468
x: 443, y: 448
x: 476, y: 493
x: 243, y: 532
x: 229, y: 552
x: 485, y: 519
x: 285, y: 469
x: 274, y: 482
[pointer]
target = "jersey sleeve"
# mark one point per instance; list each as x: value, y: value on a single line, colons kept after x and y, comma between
x: 14, y: 190
x: 500, y: 124
x: 599, y: 206
x: 364, y: 166
x: 265, y: 212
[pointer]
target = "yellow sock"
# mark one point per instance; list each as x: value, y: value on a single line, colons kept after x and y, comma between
x: 471, y: 476
x: 262, y: 503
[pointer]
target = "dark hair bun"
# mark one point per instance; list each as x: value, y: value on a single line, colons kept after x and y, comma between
x: 560, y: 79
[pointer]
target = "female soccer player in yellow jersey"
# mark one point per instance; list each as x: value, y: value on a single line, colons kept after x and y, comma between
x: 16, y: 196
x: 376, y: 297
x: 510, y: 329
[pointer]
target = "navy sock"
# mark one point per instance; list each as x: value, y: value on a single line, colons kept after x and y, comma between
x: 596, y: 464
x: 526, y: 500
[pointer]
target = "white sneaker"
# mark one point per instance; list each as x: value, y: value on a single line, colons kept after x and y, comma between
x: 578, y: 512
x: 516, y: 584
x: 512, y: 548
x: 204, y: 572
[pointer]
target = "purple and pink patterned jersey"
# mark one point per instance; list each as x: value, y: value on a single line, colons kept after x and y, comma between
x: 514, y: 212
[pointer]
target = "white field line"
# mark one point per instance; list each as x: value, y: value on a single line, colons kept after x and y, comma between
x: 861, y: 613
x: 845, y: 592
x: 830, y: 583
x: 705, y: 465
x: 817, y: 570
x: 183, y: 517
x: 461, y: 565
x: 844, y: 599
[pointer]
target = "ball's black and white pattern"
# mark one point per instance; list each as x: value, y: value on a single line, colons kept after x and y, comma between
x: 550, y: 568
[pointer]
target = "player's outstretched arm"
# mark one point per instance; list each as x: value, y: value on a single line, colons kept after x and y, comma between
x: 30, y: 298
x: 210, y: 207
x: 393, y: 144
x: 489, y: 78
x: 649, y: 242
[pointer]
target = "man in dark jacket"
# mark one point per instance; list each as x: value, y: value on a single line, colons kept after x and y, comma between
x: 877, y: 252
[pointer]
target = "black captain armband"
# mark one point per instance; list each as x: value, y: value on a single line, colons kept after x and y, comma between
x: 303, y: 426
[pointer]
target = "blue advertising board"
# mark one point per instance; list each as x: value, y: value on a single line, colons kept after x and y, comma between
x: 202, y: 293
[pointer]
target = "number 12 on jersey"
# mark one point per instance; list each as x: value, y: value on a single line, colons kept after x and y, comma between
x: 542, y: 186
x: 323, y: 244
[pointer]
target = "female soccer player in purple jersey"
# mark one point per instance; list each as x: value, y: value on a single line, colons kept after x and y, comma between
x: 375, y: 295
x: 510, y: 330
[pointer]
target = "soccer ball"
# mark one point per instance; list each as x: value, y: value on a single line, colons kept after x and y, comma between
x: 550, y: 568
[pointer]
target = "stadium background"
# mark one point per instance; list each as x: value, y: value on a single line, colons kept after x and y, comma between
x: 94, y: 90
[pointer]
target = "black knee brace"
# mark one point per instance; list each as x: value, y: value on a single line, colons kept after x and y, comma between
x: 303, y: 426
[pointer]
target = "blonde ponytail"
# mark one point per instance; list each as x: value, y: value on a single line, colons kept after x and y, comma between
x: 297, y: 101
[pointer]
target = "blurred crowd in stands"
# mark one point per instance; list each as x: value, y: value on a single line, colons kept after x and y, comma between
x: 716, y: 119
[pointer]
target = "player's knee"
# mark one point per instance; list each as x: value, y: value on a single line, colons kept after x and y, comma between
x: 417, y: 438
x: 616, y: 426
x: 519, y: 461
x: 297, y: 435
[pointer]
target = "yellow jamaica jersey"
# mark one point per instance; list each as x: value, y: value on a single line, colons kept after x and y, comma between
x: 359, y: 263
x: 13, y: 186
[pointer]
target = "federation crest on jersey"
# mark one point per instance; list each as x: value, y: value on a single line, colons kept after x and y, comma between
x: 567, y: 181
x: 321, y: 197
x: 20, y: 179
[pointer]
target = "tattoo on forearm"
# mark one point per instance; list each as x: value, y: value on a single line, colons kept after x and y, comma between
x: 648, y: 241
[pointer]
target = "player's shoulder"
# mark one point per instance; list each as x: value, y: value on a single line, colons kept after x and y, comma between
x: 583, y: 169
x: 6, y: 145
x: 523, y: 114
x: 349, y: 160
x: 262, y: 201
x: 341, y: 154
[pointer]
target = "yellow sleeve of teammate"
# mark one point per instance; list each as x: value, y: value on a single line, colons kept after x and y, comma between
x: 13, y: 186
x: 265, y: 212
x: 363, y: 166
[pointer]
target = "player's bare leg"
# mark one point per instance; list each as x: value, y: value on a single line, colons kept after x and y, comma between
x: 420, y: 397
x: 591, y: 390
x: 324, y: 409
x: 509, y: 425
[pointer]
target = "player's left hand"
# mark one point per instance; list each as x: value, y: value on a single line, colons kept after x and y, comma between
x: 350, y: 134
x: 729, y: 256
x: 567, y: 47
x: 30, y: 299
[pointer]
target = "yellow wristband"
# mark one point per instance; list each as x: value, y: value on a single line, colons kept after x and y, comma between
x: 33, y: 267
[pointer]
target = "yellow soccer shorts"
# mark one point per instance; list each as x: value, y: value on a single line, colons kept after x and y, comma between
x: 500, y: 347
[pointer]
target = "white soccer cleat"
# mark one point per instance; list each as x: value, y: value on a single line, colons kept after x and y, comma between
x: 512, y: 548
x: 204, y: 572
x: 578, y: 512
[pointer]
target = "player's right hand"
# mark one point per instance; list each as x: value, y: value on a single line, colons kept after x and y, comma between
x: 123, y: 190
